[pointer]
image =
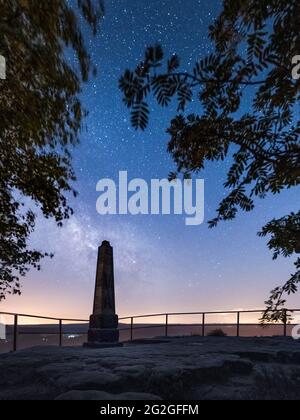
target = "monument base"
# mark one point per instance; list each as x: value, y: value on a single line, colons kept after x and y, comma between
x: 104, y: 321
x: 103, y: 338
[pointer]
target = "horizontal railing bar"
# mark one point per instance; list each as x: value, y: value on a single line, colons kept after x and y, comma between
x: 208, y: 325
x: 37, y: 333
x: 44, y: 317
x: 171, y: 325
x: 206, y: 313
x: 145, y: 327
x: 50, y: 333
x: 145, y: 316
x: 233, y: 325
x: 142, y: 316
x: 139, y: 326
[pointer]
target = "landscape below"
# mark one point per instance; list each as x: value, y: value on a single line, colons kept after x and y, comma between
x: 189, y: 368
x: 76, y: 334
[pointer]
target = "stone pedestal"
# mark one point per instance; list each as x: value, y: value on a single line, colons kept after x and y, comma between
x: 103, y: 330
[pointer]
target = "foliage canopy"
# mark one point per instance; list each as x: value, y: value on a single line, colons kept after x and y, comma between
x: 41, y: 117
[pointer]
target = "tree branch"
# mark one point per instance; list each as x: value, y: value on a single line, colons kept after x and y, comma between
x: 206, y: 81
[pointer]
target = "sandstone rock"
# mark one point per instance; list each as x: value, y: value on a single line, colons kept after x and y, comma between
x: 104, y: 396
x: 88, y: 379
x: 181, y: 368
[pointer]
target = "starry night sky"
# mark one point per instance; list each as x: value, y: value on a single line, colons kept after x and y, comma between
x: 160, y: 264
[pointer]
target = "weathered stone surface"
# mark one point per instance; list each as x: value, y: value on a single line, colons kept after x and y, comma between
x: 88, y: 379
x: 104, y: 396
x: 104, y: 299
x: 185, y: 368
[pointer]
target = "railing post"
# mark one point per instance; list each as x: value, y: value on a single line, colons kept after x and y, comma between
x: 238, y: 324
x: 131, y: 329
x: 15, y: 345
x: 285, y: 323
x: 167, y: 325
x: 60, y: 333
x: 203, y: 325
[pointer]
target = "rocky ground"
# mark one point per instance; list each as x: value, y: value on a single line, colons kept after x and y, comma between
x: 184, y: 368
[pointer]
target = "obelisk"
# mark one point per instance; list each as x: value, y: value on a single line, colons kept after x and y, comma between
x: 103, y: 330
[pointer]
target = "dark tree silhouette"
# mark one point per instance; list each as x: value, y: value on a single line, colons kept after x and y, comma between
x: 255, y: 42
x: 41, y: 116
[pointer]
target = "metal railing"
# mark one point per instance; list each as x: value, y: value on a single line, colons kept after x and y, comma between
x: 58, y: 320
x: 132, y: 326
x: 203, y: 324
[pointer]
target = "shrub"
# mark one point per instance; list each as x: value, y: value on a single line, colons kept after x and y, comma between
x: 217, y: 333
